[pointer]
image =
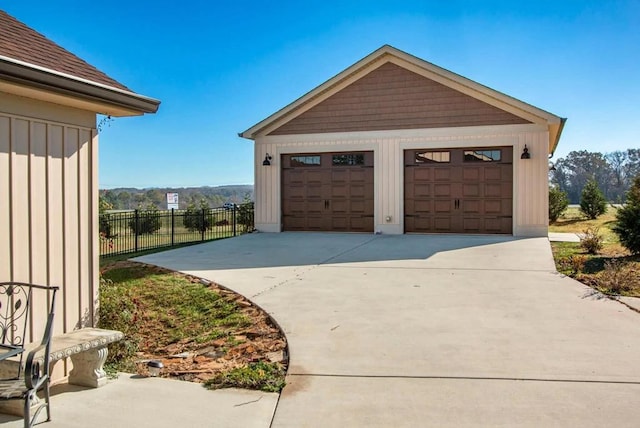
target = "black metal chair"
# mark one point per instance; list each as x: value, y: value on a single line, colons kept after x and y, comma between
x: 16, y: 312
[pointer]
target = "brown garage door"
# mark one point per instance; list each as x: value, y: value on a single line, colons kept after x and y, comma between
x: 458, y: 190
x: 328, y: 192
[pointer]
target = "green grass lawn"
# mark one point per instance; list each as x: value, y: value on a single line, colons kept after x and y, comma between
x: 572, y: 221
x: 612, y: 270
x: 220, y: 335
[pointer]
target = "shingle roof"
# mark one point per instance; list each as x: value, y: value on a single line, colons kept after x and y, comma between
x: 22, y: 43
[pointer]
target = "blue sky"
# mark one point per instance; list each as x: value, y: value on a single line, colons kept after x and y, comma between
x: 220, y: 67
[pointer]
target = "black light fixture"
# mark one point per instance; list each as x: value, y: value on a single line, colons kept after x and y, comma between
x: 267, y: 160
x: 525, y: 153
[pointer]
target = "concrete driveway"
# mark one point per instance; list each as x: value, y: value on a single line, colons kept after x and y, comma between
x: 426, y: 330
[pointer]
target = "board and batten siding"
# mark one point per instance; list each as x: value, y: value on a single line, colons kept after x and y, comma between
x: 530, y: 182
x: 48, y: 211
x: 392, y: 97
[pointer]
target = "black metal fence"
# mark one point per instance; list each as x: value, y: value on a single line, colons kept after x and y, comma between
x: 132, y: 231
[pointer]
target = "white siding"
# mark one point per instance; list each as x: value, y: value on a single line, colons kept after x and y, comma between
x: 530, y: 176
x: 48, y: 203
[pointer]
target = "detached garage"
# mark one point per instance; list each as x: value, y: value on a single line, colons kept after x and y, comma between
x: 395, y: 144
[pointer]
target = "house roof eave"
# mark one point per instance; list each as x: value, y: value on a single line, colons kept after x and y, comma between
x: 102, y: 98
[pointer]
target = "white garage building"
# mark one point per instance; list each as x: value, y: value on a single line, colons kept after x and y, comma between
x: 398, y: 145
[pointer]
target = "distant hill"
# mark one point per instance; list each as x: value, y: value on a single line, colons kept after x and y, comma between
x: 131, y: 198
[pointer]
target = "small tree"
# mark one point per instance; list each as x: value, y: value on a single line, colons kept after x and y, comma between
x: 558, y: 203
x: 592, y: 201
x: 104, y: 223
x: 148, y: 221
x: 627, y: 225
x: 245, y: 214
x: 197, y: 218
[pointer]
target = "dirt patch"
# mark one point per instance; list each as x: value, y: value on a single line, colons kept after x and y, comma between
x: 199, y: 358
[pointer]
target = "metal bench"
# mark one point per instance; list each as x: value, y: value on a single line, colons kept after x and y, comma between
x: 27, y: 376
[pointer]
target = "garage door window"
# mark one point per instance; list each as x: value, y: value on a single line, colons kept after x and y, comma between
x: 305, y: 160
x: 482, y: 155
x: 437, y: 157
x: 348, y: 159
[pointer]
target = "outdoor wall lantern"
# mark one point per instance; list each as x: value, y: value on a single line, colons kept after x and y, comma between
x: 267, y: 160
x: 155, y: 367
x: 525, y: 153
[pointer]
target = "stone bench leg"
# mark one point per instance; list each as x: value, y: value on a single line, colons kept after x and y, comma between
x: 88, y: 368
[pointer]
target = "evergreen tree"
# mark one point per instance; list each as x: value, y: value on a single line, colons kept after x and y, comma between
x: 558, y: 203
x: 592, y: 201
x: 627, y: 225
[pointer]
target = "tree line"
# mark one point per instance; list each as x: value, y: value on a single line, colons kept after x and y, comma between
x: 132, y: 198
x: 613, y: 172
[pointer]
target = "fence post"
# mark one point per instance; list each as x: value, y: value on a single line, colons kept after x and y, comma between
x: 234, y: 219
x: 203, y: 226
x: 173, y: 226
x: 135, y: 232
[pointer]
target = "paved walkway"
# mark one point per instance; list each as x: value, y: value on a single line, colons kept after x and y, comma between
x: 431, y: 330
x: 563, y: 237
x: 132, y: 401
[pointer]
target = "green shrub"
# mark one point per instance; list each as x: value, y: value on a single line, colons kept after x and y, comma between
x: 148, y: 221
x: 627, y: 225
x: 197, y: 218
x: 591, y: 240
x: 104, y: 218
x: 592, y: 201
x: 244, y: 216
x: 558, y: 203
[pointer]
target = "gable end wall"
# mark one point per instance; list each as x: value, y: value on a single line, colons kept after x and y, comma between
x: 391, y: 97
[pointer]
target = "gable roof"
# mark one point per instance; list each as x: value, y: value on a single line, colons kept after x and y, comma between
x: 29, y: 58
x: 388, y: 54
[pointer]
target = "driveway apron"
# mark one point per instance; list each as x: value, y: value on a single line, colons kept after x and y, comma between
x: 431, y: 330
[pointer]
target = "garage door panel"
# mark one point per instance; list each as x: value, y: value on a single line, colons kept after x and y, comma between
x: 448, y: 191
x: 339, y: 206
x: 421, y: 206
x: 442, y: 206
x: 313, y: 223
x: 443, y: 174
x: 471, y: 174
x: 339, y: 177
x: 493, y: 225
x: 493, y: 206
x: 422, y: 190
x: 314, y: 177
x: 494, y: 173
x: 360, y: 224
x: 328, y: 191
x: 442, y: 224
x: 312, y: 192
x: 358, y: 191
x: 471, y: 190
x: 358, y: 207
x: 472, y: 206
x: 442, y: 189
x: 339, y: 191
x: 471, y: 224
x: 420, y: 174
x: 358, y: 176
x: 297, y: 192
